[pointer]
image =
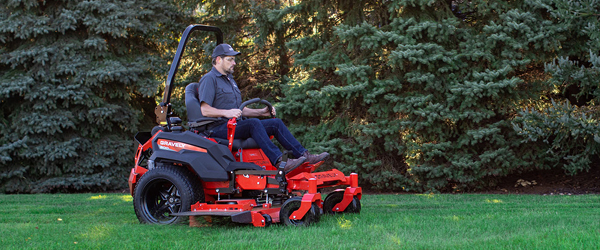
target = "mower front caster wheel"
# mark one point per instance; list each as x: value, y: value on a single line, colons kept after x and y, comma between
x: 268, y: 220
x: 290, y: 206
x: 336, y: 197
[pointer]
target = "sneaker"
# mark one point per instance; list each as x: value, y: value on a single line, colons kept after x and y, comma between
x: 291, y: 164
x: 312, y: 159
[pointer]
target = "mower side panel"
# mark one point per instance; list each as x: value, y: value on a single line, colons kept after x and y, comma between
x: 220, y: 152
x: 209, y: 160
x: 203, y: 164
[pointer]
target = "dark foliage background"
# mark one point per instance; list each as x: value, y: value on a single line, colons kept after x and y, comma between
x: 416, y: 95
x: 76, y: 80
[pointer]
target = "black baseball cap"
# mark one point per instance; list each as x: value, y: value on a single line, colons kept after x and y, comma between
x: 224, y: 50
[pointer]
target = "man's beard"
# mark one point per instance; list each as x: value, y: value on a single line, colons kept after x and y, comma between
x: 229, y: 70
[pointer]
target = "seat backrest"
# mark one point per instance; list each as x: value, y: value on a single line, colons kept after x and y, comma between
x: 192, y: 104
x: 194, y: 113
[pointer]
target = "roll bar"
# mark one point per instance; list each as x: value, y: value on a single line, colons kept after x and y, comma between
x: 163, y: 110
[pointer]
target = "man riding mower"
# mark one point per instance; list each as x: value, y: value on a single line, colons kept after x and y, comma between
x: 180, y: 173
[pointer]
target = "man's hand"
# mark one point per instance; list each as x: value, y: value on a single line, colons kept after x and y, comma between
x: 248, y: 112
x: 232, y: 113
x: 265, y: 112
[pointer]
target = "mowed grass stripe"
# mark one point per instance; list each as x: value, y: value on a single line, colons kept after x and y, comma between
x: 466, y: 221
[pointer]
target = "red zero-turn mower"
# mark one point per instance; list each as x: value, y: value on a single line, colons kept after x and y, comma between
x: 180, y: 173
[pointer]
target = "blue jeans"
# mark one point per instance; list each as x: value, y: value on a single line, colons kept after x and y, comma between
x: 260, y: 130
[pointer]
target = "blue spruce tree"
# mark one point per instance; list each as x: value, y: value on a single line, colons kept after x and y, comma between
x: 75, y: 78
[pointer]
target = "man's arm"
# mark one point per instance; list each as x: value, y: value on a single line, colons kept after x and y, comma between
x: 209, y: 111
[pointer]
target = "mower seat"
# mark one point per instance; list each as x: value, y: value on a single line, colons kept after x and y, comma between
x: 192, y: 104
x: 195, y: 117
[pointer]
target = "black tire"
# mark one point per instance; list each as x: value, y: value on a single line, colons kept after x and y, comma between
x: 336, y: 197
x: 292, y: 205
x: 354, y: 206
x: 318, y: 211
x: 163, y: 191
x: 268, y: 220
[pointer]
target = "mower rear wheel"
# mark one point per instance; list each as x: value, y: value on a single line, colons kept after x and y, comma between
x: 293, y: 204
x: 334, y: 198
x: 163, y: 191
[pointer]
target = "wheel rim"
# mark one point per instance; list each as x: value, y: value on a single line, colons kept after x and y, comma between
x: 160, y: 199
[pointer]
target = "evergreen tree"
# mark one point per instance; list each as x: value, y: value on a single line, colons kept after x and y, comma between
x: 563, y: 130
x: 75, y: 79
x: 420, y: 95
x: 255, y: 69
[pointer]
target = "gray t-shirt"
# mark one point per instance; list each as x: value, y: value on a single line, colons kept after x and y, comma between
x: 219, y: 91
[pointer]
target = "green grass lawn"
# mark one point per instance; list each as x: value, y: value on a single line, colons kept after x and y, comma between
x: 107, y: 221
